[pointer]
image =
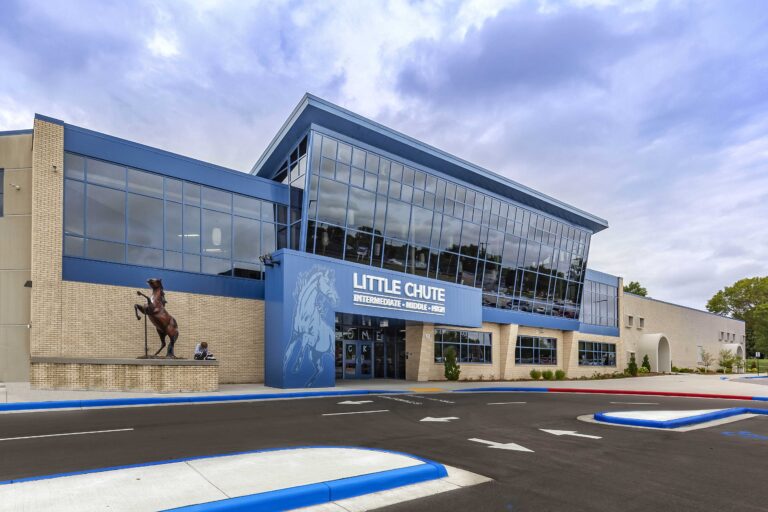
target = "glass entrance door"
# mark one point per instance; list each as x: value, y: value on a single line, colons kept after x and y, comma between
x: 358, y: 360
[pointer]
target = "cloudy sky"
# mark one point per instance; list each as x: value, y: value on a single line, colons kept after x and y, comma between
x: 653, y: 115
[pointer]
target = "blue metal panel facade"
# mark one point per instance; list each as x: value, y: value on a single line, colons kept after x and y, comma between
x: 120, y: 151
x: 304, y: 291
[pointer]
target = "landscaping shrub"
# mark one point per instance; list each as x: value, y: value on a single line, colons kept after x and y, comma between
x: 675, y: 369
x: 548, y: 375
x: 646, y: 364
x: 643, y: 369
x: 632, y: 366
x: 535, y: 374
x: 452, y: 370
x: 559, y: 375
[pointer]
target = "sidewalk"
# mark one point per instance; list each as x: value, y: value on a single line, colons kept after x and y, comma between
x: 679, y: 383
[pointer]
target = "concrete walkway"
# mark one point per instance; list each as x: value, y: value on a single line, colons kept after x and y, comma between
x: 679, y: 383
x: 304, y: 475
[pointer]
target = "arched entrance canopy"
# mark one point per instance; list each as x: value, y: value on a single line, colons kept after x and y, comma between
x: 659, y: 352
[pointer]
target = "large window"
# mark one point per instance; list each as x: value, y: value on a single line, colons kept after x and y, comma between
x: 366, y: 208
x: 536, y: 350
x: 600, y: 304
x: 470, y: 346
x: 123, y: 215
x: 592, y: 353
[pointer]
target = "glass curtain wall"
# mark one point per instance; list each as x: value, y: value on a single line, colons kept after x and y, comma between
x: 123, y: 215
x: 600, y: 305
x: 292, y: 172
x: 372, y: 210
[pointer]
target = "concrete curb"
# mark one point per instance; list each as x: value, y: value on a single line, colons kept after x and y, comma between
x: 299, y: 496
x: 124, y: 402
x: 611, y: 392
x: 680, y: 422
x: 180, y: 400
x: 325, y: 492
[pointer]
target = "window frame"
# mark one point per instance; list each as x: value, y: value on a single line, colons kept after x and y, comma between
x: 170, y: 254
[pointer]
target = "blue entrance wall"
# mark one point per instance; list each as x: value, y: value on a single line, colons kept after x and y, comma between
x: 304, y: 291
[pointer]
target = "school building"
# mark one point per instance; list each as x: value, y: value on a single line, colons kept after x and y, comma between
x: 350, y: 251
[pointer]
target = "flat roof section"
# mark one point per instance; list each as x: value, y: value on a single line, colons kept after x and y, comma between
x: 314, y: 110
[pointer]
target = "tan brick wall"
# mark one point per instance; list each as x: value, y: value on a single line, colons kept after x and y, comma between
x: 572, y: 351
x: 47, y: 218
x: 124, y: 377
x: 233, y: 328
x: 72, y: 319
x: 422, y: 348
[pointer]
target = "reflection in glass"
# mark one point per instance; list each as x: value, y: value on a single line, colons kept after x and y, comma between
x: 105, y: 213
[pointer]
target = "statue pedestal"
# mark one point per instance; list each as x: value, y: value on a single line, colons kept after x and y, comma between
x: 154, y: 375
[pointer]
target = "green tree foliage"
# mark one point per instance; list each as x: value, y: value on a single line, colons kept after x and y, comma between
x: 646, y: 363
x: 706, y: 359
x: 747, y: 300
x: 452, y: 370
x: 726, y: 360
x: 634, y: 287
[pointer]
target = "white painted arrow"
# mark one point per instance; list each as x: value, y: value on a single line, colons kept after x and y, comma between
x: 568, y: 433
x: 446, y: 419
x: 502, y: 446
x: 352, y: 402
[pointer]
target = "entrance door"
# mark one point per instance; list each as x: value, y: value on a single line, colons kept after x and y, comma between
x: 358, y: 360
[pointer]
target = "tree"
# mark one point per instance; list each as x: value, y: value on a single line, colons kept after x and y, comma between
x: 706, y: 359
x: 646, y: 363
x: 634, y: 287
x: 747, y: 300
x: 452, y: 370
x: 632, y: 366
x: 726, y: 359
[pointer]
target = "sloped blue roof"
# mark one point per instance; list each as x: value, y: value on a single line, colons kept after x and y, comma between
x: 313, y: 110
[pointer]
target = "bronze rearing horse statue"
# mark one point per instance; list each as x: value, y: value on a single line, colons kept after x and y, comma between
x: 164, y: 323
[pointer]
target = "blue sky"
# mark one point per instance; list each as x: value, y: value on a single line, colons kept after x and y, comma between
x: 653, y: 115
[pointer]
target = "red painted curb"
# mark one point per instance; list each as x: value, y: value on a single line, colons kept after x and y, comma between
x: 647, y: 393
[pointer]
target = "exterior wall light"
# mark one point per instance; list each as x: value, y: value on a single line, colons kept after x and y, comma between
x: 268, y: 261
x: 17, y: 187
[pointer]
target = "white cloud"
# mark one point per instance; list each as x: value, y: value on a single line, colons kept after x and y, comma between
x: 163, y: 45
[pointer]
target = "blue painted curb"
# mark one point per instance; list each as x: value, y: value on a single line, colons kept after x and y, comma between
x: 121, y: 402
x: 324, y: 492
x: 680, y: 422
x: 295, y: 497
x: 199, y: 457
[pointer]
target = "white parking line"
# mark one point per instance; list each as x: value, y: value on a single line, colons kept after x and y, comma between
x: 433, y: 399
x: 68, y: 434
x: 354, y: 412
x: 399, y: 400
x: 505, y: 403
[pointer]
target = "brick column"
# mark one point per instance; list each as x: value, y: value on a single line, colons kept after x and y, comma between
x: 47, y: 228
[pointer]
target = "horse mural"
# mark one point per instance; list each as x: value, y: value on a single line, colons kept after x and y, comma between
x: 312, y: 333
x: 164, y: 323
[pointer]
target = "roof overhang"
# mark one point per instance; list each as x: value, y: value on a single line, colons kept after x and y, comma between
x: 314, y: 110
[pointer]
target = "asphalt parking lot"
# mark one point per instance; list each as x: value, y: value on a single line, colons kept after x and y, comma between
x: 498, y: 435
